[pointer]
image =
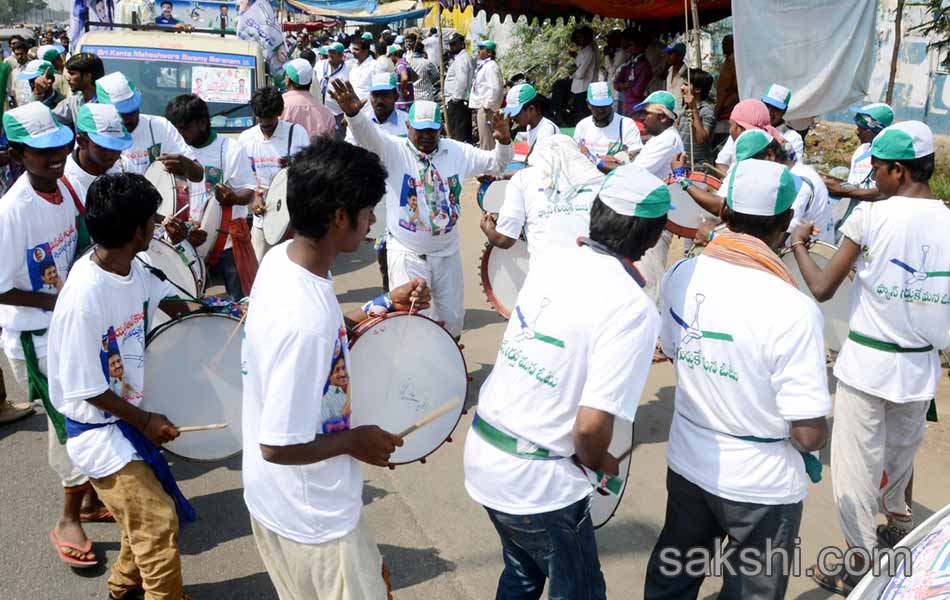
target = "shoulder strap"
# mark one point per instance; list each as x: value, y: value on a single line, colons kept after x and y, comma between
x: 151, y: 131
x: 290, y: 140
x: 72, y: 192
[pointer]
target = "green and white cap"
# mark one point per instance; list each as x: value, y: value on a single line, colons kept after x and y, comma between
x: 50, y: 52
x: 906, y: 140
x: 393, y: 49
x: 599, y: 94
x: 517, y: 97
x: 35, y: 126
x: 778, y: 96
x: 103, y: 125
x: 336, y: 47
x: 34, y: 69
x: 874, y: 116
x: 760, y: 187
x: 117, y: 89
x: 487, y: 44
x: 322, y: 50
x: 662, y: 100
x: 367, y: 36
x: 383, y: 82
x: 299, y: 70
x: 632, y: 191
x: 425, y: 114
x: 750, y: 142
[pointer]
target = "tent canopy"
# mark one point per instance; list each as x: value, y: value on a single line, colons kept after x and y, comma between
x: 637, y: 10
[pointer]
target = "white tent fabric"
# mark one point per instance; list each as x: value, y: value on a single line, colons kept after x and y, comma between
x: 822, y: 50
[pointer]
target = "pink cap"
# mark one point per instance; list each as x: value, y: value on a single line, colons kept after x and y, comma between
x: 753, y: 114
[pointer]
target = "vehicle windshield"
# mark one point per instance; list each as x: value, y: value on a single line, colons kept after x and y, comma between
x: 224, y: 81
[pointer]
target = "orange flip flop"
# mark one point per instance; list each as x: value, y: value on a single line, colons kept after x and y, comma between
x: 69, y: 560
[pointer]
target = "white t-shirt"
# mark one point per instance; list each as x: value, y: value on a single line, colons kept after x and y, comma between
x: 545, y: 128
x: 727, y: 155
x: 265, y: 153
x: 295, y: 346
x: 586, y: 69
x: 412, y: 224
x: 860, y: 173
x: 657, y: 154
x: 224, y: 159
x: 812, y: 203
x: 38, y: 242
x: 320, y: 88
x: 98, y: 340
x: 600, y: 141
x: 488, y: 86
x: 582, y: 334
x: 361, y: 76
x: 153, y: 131
x: 749, y: 358
x: 901, y: 294
x: 431, y: 44
x: 549, y: 221
x: 794, y: 139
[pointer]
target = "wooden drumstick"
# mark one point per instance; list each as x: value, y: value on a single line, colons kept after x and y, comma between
x: 188, y: 428
x: 453, y: 403
x: 181, y: 210
x: 213, y: 363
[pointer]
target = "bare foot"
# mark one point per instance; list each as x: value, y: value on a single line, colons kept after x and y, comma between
x: 71, y: 532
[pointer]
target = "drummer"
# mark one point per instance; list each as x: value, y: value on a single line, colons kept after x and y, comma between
x: 302, y: 475
x: 229, y: 180
x: 523, y: 106
x: 735, y: 467
x: 153, y: 137
x: 38, y: 234
x: 870, y: 121
x: 428, y: 172
x: 269, y: 146
x: 549, y: 200
x: 608, y: 138
x: 889, y: 366
x: 776, y: 100
x: 574, y: 357
x: 747, y: 114
x: 103, y: 313
x: 382, y: 112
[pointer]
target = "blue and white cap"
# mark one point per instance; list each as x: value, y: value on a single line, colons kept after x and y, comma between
x: 103, y: 124
x: 35, y: 126
x: 599, y: 94
x: 424, y: 114
x: 383, y: 82
x: 118, y: 90
x: 50, y: 52
x: 778, y: 96
x: 34, y: 69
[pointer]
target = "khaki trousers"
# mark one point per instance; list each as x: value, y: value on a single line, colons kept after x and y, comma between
x: 486, y: 141
x: 149, y: 558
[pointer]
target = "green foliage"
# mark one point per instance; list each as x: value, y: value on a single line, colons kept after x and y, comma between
x: 939, y: 24
x: 15, y: 11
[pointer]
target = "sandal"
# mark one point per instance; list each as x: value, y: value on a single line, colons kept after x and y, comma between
x: 836, y: 584
x: 11, y: 413
x: 62, y: 547
x: 890, y: 535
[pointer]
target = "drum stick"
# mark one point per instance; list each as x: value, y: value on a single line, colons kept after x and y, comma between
x: 213, y: 363
x: 181, y: 210
x: 188, y: 428
x: 433, y: 416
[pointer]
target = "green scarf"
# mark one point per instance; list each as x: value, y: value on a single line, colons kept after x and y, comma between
x: 39, y: 384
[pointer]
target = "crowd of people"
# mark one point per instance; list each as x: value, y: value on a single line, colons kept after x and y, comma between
x: 362, y: 134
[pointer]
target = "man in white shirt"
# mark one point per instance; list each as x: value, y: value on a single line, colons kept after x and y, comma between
x: 269, y: 146
x: 229, y: 180
x: 431, y: 44
x: 750, y: 403
x: 676, y: 72
x: 302, y: 472
x: 426, y: 173
x: 487, y: 92
x: 334, y: 67
x: 153, y: 137
x: 656, y: 156
x: 888, y: 368
x: 362, y: 67
x: 574, y: 358
x: 608, y: 138
x: 777, y: 99
x: 523, y: 105
x: 586, y: 65
x: 458, y: 83
x: 747, y: 114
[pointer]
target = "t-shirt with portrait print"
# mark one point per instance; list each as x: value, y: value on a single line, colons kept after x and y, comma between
x: 38, y: 241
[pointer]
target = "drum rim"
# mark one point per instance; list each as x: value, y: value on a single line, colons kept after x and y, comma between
x: 167, y: 175
x: 174, y: 250
x: 626, y: 477
x: 154, y: 334
x: 486, y: 282
x: 199, y: 282
x: 481, y: 203
x: 364, y: 326
x: 698, y: 177
x: 270, y: 205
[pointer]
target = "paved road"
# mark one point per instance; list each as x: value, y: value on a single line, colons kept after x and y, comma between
x: 439, y: 544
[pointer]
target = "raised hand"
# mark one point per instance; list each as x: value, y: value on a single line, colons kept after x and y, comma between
x: 346, y: 97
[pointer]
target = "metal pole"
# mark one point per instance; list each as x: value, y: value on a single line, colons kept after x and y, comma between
x: 445, y: 107
x: 895, y: 54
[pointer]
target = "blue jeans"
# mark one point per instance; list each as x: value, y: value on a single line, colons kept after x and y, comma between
x: 226, y: 272
x: 557, y: 545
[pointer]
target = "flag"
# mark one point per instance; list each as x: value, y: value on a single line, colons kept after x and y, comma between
x: 257, y: 22
x: 88, y: 10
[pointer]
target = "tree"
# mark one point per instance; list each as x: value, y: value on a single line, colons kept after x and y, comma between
x: 16, y: 11
x: 938, y: 27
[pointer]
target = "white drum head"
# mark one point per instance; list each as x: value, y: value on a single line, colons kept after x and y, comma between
x: 404, y: 368
x: 211, y: 223
x: 835, y: 310
x: 164, y: 256
x: 494, y: 196
x: 158, y: 319
x: 277, y: 217
x: 602, y: 507
x: 503, y: 273
x: 164, y: 182
x: 685, y: 215
x: 193, y: 376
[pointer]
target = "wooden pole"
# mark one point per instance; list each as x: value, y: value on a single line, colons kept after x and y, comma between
x: 445, y: 107
x: 895, y: 54
x: 698, y: 35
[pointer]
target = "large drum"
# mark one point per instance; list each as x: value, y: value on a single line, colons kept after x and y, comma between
x: 277, y: 217
x: 494, y: 196
x: 193, y: 376
x: 403, y: 368
x: 685, y: 215
x: 835, y: 310
x: 175, y: 191
x: 604, y: 502
x: 178, y: 264
x: 502, y: 273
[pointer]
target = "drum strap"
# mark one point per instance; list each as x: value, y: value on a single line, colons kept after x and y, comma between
x: 624, y: 262
x: 83, y: 240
